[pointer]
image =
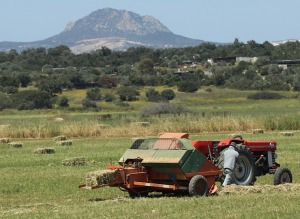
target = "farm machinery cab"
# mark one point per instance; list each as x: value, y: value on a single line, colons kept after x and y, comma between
x: 174, y: 164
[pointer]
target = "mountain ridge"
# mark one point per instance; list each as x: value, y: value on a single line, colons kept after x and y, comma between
x: 115, y: 29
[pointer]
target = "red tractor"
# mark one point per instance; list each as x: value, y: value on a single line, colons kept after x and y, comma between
x: 258, y: 158
x: 174, y: 164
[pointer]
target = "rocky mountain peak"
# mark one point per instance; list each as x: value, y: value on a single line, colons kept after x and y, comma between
x: 115, y: 29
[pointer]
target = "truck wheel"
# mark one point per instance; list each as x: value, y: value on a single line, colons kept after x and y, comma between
x: 198, y: 186
x: 245, y: 173
x: 282, y: 175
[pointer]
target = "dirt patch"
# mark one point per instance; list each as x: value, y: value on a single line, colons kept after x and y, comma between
x: 242, y: 190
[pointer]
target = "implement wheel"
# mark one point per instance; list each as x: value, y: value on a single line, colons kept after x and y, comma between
x: 198, y: 186
x: 282, y: 175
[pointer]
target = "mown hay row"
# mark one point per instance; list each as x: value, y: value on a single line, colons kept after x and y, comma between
x: 75, y: 161
x: 44, y: 151
x: 15, y: 144
x: 242, y: 190
x: 100, y: 177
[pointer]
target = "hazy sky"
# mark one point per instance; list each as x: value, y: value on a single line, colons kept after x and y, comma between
x: 209, y: 20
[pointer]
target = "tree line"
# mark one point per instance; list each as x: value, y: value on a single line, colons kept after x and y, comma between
x: 50, y: 71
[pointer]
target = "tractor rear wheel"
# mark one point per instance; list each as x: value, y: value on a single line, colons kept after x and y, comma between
x: 282, y: 175
x: 198, y: 186
x: 245, y: 172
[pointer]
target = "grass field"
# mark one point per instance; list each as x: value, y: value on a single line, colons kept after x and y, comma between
x: 39, y: 186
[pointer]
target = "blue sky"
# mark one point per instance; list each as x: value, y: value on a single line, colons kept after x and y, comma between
x: 210, y: 20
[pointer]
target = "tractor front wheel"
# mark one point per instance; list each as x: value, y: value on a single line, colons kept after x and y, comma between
x: 282, y: 175
x: 198, y: 186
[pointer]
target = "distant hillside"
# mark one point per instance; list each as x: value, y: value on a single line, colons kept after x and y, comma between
x: 115, y: 29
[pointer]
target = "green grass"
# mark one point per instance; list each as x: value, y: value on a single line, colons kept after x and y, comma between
x: 39, y: 186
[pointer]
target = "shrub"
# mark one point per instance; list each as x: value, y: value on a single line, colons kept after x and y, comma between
x: 26, y: 106
x: 32, y: 98
x: 188, y: 86
x: 168, y: 94
x: 94, y: 94
x: 88, y: 103
x: 128, y: 93
x: 109, y: 97
x: 62, y: 101
x: 153, y: 95
x: 5, y: 101
x: 265, y: 96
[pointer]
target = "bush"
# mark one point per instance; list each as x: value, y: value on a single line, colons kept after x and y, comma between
x: 88, y: 103
x: 62, y: 101
x: 265, y: 96
x: 188, y: 86
x: 94, y: 94
x: 26, y: 106
x: 25, y: 99
x: 168, y: 94
x: 153, y: 95
x: 109, y: 97
x: 128, y: 93
x: 10, y: 89
x: 5, y: 101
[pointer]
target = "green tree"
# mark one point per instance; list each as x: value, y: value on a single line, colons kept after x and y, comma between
x: 128, y: 94
x: 24, y: 79
x: 62, y: 101
x: 188, y: 86
x: 168, y: 94
x: 146, y: 66
x: 94, y: 94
